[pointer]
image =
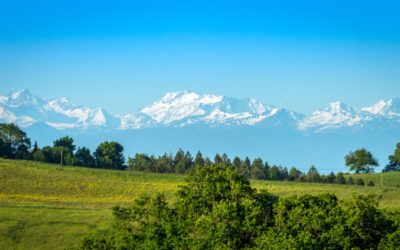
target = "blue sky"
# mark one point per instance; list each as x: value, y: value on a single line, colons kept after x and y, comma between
x: 121, y: 56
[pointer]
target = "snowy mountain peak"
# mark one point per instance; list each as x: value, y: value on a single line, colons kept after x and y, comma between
x: 23, y: 93
x: 184, y: 108
x: 24, y: 109
x: 339, y: 107
x: 385, y: 108
x: 189, y: 97
x: 335, y: 115
x: 176, y: 106
x: 20, y: 98
x: 377, y: 108
x: 61, y: 104
x: 98, y: 117
x: 172, y: 95
x: 189, y: 108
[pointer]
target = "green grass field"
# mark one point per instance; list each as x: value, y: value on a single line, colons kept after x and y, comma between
x: 44, y: 206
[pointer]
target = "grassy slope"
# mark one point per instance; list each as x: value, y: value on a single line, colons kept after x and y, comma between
x: 44, y: 206
x: 34, y: 183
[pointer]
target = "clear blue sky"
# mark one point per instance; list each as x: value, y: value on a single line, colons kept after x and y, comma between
x: 121, y: 56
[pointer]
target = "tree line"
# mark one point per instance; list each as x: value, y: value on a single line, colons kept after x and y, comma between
x: 218, y: 209
x: 183, y: 162
x: 15, y: 144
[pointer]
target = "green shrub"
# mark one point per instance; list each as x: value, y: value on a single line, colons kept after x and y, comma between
x: 360, y: 182
x: 218, y: 209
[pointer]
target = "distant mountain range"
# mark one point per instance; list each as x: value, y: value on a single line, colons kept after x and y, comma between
x: 184, y: 109
x: 168, y: 123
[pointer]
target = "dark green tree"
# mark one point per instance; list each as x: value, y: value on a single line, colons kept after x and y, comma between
x: 322, y: 222
x: 266, y: 170
x: 274, y: 173
x: 110, y: 155
x: 188, y: 161
x: 6, y: 150
x: 361, y: 161
x: 35, y: 147
x: 305, y: 222
x: 284, y: 173
x: 180, y: 162
x: 360, y: 182
x: 63, y: 151
x: 14, y: 143
x: 84, y: 158
x: 37, y: 155
x: 313, y: 175
x: 257, y: 170
x: 164, y: 164
x: 394, y: 160
x: 207, y: 161
x: 340, y: 178
x: 366, y: 224
x: 140, y: 162
x: 294, y: 174
x: 223, y: 211
x: 225, y: 159
x: 330, y: 178
x: 237, y: 164
x: 65, y: 142
x: 217, y: 159
x: 198, y: 160
x: 48, y: 155
x: 246, y: 167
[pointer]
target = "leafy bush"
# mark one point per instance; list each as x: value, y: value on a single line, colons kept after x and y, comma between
x: 340, y: 178
x: 218, y: 209
x: 360, y: 182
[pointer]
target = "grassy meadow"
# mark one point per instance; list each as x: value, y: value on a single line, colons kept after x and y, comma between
x: 45, y: 206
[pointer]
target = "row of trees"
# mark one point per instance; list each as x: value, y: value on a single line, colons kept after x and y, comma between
x: 14, y: 143
x: 218, y: 209
x: 183, y: 162
x: 107, y: 154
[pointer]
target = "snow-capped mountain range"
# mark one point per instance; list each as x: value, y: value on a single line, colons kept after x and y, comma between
x: 184, y: 109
